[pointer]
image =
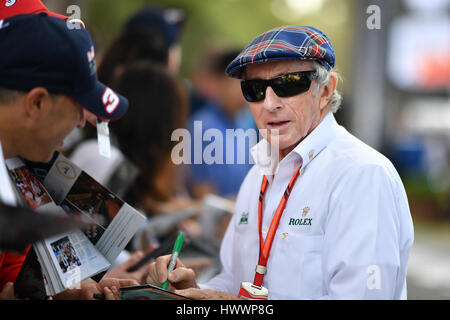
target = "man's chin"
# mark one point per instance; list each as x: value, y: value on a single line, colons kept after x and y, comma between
x: 282, y: 141
x: 44, y: 158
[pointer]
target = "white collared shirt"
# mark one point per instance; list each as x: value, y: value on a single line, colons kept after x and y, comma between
x: 346, y: 231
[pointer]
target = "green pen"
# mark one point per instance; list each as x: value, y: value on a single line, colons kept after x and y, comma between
x: 173, y: 259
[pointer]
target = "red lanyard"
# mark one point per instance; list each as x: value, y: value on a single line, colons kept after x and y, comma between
x: 264, y: 248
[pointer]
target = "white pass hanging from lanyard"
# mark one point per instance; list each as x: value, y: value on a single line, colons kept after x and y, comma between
x: 104, y: 142
x: 255, y: 290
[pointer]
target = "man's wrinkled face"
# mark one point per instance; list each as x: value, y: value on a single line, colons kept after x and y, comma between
x: 288, y: 119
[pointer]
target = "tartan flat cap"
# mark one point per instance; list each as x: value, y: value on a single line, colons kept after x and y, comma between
x: 285, y: 43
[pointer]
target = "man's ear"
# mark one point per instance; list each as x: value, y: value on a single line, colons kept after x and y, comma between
x: 38, y: 102
x: 328, y: 90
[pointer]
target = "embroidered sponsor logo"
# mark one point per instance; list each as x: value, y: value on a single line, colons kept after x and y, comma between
x: 91, y: 60
x: 91, y: 54
x: 110, y: 100
x: 300, y: 222
x: 9, y: 3
x: 244, y: 218
x: 3, y: 25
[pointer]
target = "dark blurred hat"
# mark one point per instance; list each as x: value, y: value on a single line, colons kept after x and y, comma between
x: 285, y: 43
x: 11, y: 8
x: 43, y: 51
x: 169, y: 21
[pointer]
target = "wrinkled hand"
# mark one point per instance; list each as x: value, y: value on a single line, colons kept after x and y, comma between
x: 111, y: 286
x: 120, y: 271
x: 180, y: 278
x: 206, y: 294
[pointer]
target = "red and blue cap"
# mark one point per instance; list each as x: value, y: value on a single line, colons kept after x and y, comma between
x: 285, y: 43
x: 39, y: 50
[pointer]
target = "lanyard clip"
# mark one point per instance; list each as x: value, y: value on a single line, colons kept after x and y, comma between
x: 249, y: 291
x: 260, y: 269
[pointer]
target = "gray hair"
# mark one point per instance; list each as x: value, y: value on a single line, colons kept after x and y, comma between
x: 323, y: 77
x: 9, y: 95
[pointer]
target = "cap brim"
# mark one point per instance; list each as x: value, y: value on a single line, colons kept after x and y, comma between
x: 57, y: 15
x: 103, y: 102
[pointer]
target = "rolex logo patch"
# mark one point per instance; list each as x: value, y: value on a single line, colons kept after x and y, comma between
x: 303, y: 221
x: 244, y: 218
x: 300, y: 222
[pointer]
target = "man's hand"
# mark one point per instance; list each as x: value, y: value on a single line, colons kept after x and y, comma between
x: 108, y: 286
x: 180, y: 278
x: 206, y: 294
x: 120, y: 271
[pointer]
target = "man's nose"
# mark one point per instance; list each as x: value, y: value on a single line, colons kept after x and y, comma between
x: 87, y: 116
x: 272, y: 101
x: 90, y: 117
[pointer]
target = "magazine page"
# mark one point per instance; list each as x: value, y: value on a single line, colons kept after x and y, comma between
x: 61, y: 177
x: 75, y: 259
x: 90, y: 198
x: 78, y: 193
x: 120, y: 231
x: 65, y: 259
x: 31, y: 189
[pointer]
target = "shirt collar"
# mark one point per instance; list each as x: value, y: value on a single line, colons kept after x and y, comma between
x: 267, y: 159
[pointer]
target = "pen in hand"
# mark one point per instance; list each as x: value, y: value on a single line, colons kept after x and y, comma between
x: 173, y: 259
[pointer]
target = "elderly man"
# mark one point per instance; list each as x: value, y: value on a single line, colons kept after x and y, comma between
x: 48, y: 86
x: 328, y: 218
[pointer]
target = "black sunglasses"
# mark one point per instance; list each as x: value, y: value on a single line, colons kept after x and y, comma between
x: 286, y: 85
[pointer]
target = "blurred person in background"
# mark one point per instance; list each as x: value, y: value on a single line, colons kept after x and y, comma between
x: 203, y: 80
x: 132, y: 45
x: 169, y: 21
x: 225, y: 109
x: 158, y: 106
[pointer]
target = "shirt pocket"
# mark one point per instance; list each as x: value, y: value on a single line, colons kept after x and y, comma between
x: 298, y: 268
x: 311, y: 280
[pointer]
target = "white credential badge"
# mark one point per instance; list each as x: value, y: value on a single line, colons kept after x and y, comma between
x: 104, y: 142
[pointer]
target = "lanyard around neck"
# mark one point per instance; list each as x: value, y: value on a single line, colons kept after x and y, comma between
x: 264, y: 247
